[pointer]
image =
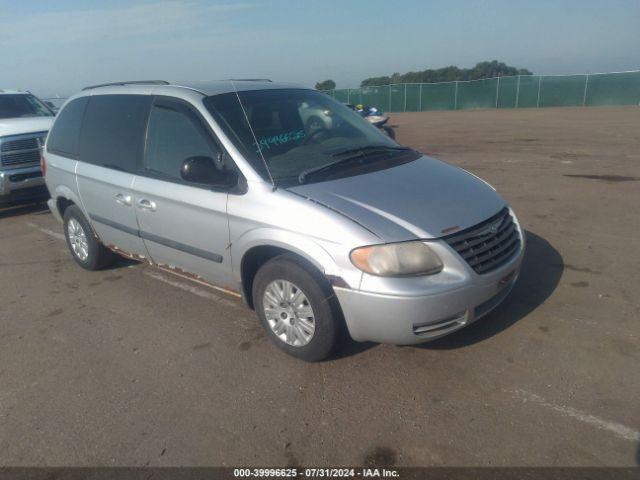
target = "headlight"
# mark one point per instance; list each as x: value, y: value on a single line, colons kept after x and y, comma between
x: 397, y: 259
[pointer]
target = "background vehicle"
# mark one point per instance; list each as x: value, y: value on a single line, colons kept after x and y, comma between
x: 315, y: 117
x: 24, y: 123
x: 320, y: 230
x: 375, y: 117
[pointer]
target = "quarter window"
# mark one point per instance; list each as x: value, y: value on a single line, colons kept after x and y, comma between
x: 176, y: 134
x: 65, y: 134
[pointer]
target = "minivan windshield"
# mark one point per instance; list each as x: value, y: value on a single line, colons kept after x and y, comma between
x: 22, y: 105
x: 289, y: 135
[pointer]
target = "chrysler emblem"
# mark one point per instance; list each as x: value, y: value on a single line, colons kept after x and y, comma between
x: 491, y: 229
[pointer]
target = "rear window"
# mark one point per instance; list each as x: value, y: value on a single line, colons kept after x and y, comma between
x: 113, y: 131
x: 65, y: 134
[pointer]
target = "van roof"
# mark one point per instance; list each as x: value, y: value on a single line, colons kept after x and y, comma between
x: 212, y: 87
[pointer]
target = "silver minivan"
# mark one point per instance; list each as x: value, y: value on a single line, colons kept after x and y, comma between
x: 324, y: 229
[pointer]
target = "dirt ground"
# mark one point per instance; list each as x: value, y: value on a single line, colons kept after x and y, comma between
x: 133, y: 366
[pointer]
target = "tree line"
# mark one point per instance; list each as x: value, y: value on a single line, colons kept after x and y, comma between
x: 447, y: 74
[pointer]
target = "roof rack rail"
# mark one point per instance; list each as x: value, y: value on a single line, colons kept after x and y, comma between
x: 251, y: 80
x: 133, y: 82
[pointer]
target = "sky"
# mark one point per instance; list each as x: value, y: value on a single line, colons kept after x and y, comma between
x: 57, y: 47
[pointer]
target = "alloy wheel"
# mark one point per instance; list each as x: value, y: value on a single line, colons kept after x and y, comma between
x: 78, y: 240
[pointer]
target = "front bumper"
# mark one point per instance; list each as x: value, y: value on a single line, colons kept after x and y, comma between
x: 406, y: 320
x: 22, y: 185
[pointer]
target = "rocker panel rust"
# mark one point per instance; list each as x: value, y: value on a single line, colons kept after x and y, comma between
x: 175, y: 271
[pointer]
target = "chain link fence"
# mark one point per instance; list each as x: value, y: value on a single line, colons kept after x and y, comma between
x: 521, y: 91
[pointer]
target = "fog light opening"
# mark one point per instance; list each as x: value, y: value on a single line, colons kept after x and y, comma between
x: 459, y: 319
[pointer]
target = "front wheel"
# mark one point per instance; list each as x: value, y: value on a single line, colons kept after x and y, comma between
x: 297, y: 308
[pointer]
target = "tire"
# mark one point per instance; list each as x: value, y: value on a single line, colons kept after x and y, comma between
x: 390, y: 132
x: 314, y: 123
x: 81, y: 238
x: 327, y: 320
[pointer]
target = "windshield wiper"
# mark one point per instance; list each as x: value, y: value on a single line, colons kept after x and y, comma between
x: 359, y: 153
x: 370, y: 148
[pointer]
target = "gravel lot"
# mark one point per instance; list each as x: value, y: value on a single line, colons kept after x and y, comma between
x: 135, y: 366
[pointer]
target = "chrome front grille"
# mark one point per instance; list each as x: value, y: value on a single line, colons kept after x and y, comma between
x: 489, y: 244
x: 21, y: 150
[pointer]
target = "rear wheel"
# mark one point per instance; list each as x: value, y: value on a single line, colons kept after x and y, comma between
x: 85, y: 248
x: 296, y: 308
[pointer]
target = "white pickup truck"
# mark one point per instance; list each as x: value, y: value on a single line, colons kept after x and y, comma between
x: 24, y: 123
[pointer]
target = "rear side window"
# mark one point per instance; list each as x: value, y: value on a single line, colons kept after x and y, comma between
x: 65, y: 135
x: 113, y: 131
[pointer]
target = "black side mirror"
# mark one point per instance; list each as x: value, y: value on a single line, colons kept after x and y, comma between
x: 203, y: 170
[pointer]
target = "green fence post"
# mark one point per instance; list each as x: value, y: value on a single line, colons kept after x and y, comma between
x: 539, y: 85
x: 420, y: 98
x: 405, y: 98
x: 586, y: 84
x: 497, y: 91
x: 389, y: 98
x: 455, y: 97
x: 517, y: 91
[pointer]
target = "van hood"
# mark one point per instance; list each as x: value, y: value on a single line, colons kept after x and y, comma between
x: 425, y: 198
x: 18, y: 126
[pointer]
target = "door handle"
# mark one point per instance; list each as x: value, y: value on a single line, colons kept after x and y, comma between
x: 145, y: 204
x: 123, y: 199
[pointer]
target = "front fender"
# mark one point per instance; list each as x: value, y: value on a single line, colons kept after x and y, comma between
x: 272, y: 237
